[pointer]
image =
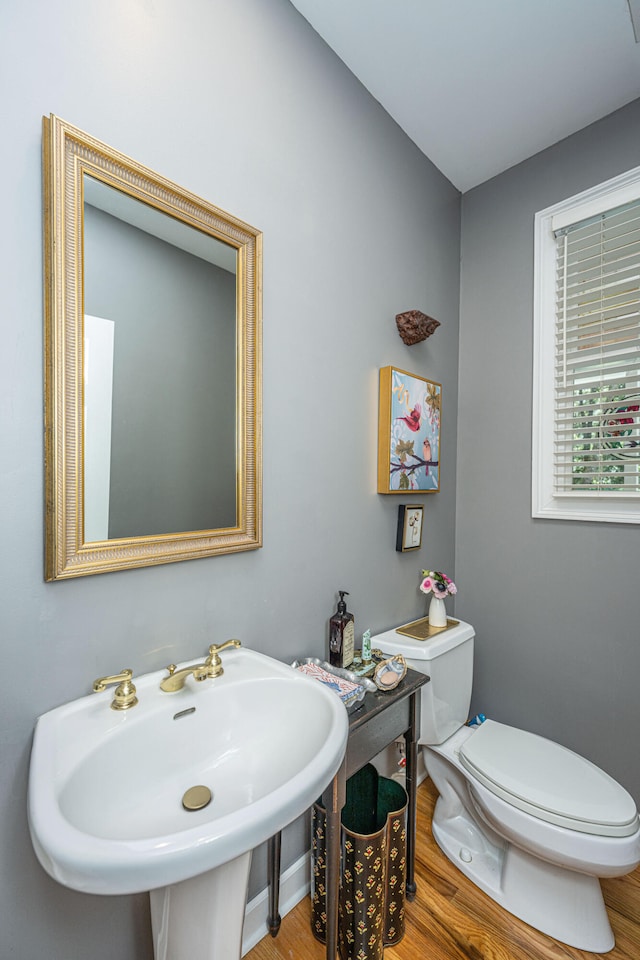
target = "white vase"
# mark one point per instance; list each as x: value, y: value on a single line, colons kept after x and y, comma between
x: 437, y: 612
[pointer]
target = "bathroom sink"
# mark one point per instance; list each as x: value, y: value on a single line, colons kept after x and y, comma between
x: 106, y: 786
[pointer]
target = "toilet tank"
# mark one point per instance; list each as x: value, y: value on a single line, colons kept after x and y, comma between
x: 447, y: 659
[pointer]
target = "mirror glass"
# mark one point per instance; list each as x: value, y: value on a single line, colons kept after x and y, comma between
x: 152, y: 328
x: 159, y: 372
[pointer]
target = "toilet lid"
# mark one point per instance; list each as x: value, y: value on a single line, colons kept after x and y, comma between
x: 548, y: 781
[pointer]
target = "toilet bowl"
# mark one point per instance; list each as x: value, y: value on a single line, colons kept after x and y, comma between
x: 531, y: 823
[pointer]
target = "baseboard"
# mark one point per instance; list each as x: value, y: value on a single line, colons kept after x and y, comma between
x: 295, y: 884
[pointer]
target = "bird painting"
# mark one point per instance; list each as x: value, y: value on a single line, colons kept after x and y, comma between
x: 413, y: 419
x: 410, y: 430
x: 426, y: 454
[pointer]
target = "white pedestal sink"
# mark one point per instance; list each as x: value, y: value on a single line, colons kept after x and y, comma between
x: 106, y: 788
x: 202, y: 917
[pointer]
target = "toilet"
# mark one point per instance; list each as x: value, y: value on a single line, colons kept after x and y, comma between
x: 530, y: 822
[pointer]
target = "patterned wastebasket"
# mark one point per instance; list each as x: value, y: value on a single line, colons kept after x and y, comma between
x: 373, y: 867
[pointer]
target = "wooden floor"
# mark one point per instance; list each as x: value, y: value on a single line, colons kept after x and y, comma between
x: 451, y: 919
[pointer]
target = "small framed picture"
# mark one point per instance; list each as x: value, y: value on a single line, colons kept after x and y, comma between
x: 409, y: 536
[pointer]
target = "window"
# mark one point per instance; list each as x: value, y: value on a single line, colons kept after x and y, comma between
x: 586, y: 403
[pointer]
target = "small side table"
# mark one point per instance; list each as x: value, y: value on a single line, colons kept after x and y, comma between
x: 379, y: 720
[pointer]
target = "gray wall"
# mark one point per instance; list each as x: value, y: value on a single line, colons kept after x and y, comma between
x: 554, y: 603
x: 239, y: 102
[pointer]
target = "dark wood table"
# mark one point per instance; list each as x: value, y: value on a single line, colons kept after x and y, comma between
x: 380, y: 719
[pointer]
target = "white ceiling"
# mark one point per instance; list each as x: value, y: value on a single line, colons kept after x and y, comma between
x: 480, y: 85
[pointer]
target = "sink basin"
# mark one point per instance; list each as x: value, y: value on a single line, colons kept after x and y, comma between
x: 106, y: 787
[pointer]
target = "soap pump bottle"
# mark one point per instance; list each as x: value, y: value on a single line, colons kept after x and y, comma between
x: 341, y: 634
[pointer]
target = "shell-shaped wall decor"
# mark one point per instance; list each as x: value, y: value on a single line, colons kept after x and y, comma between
x: 414, y: 326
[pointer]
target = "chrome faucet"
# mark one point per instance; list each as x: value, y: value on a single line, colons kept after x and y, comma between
x: 209, y: 669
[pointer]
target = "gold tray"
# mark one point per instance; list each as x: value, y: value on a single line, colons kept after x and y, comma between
x: 422, y: 629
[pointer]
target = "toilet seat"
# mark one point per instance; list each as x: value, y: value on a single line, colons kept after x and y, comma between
x: 548, y: 781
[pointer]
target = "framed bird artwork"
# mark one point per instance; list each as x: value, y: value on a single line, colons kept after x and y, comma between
x: 408, y: 433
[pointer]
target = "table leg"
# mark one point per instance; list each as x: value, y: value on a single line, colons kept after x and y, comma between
x: 411, y: 742
x: 274, y: 846
x: 333, y: 801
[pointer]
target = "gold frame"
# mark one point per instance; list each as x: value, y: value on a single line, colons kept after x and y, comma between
x: 68, y: 153
x: 409, y: 462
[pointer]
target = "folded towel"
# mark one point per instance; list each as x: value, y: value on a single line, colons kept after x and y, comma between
x: 346, y: 689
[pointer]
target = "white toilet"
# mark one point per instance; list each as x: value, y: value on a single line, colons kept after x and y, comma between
x: 531, y: 823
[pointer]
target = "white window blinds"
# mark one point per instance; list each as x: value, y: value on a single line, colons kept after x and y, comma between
x: 597, y: 351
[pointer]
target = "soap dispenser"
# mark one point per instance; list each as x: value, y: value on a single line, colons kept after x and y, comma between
x: 341, y: 634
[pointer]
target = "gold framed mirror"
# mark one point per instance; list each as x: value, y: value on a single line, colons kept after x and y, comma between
x: 153, y: 376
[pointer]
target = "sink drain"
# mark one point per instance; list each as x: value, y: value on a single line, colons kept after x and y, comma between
x: 196, y: 798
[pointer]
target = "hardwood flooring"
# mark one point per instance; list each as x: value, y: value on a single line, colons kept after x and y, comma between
x: 451, y: 919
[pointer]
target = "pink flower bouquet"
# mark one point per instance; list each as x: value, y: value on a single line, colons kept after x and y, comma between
x: 437, y: 583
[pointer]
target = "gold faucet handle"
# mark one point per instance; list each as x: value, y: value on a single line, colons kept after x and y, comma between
x: 215, y: 648
x: 124, y: 695
x: 214, y: 663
